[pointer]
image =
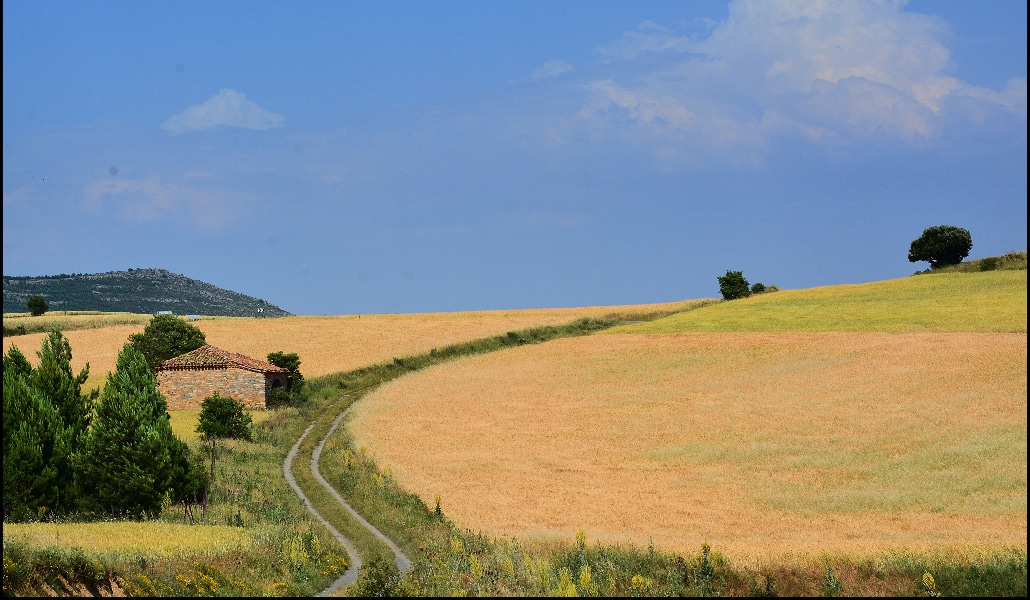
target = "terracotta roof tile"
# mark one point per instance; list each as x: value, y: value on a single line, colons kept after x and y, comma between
x: 209, y: 357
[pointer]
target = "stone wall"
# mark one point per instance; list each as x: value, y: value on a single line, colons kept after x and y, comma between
x: 187, y: 388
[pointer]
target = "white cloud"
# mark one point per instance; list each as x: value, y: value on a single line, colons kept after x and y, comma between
x: 828, y: 72
x: 552, y: 68
x: 227, y: 107
x: 649, y: 38
x: 150, y: 200
x: 19, y: 195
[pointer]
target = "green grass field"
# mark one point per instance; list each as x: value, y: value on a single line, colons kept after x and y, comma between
x: 992, y: 301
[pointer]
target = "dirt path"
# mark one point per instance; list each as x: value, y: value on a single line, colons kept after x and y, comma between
x: 351, y: 574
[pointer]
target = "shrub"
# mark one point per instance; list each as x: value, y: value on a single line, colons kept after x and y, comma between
x: 379, y: 578
x: 758, y: 288
x: 989, y: 264
x: 733, y: 285
x: 278, y: 398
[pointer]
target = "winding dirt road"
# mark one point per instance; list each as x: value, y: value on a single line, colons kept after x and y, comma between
x: 351, y: 574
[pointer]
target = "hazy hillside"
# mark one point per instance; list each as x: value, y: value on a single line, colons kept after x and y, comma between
x: 135, y: 291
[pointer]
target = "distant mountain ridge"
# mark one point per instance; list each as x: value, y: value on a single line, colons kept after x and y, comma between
x: 145, y: 291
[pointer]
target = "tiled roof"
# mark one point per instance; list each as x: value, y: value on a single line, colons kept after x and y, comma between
x: 209, y: 357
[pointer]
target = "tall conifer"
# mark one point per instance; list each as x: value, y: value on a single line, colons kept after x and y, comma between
x: 127, y: 462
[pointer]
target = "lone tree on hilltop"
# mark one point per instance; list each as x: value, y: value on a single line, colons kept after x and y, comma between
x: 38, y: 305
x: 733, y: 285
x: 941, y: 246
x: 166, y: 336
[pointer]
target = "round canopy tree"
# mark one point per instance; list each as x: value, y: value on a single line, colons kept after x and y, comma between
x: 733, y: 285
x: 38, y: 305
x: 167, y: 336
x: 941, y: 246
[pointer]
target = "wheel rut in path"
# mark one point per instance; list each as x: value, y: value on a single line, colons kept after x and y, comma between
x: 351, y: 574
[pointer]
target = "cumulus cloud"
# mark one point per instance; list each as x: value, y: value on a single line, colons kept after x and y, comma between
x: 826, y: 71
x: 149, y: 200
x: 227, y: 107
x: 551, y: 68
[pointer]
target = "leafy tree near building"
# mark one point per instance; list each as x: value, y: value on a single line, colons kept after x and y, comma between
x: 290, y: 361
x: 166, y: 336
x: 291, y: 395
x: 38, y: 306
x: 223, y: 417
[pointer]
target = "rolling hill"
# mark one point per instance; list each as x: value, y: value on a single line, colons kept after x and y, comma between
x: 135, y: 291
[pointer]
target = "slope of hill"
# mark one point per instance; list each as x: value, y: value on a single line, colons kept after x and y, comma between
x: 850, y: 420
x: 988, y: 301
x: 134, y: 291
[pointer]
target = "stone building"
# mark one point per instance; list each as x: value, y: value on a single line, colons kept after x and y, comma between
x: 186, y: 380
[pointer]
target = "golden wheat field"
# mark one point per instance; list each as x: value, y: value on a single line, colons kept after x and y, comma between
x: 330, y: 344
x: 129, y: 538
x: 761, y: 444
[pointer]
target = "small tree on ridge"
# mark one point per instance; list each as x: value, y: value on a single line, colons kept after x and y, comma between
x: 941, y: 246
x: 733, y: 285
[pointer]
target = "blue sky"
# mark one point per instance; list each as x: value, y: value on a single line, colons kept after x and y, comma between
x: 370, y: 157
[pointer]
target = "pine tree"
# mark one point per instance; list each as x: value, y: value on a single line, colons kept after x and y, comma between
x: 127, y: 463
x: 37, y: 449
x: 45, y: 415
x: 15, y: 362
x: 56, y: 381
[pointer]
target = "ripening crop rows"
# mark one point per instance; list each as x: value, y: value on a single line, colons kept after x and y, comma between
x: 761, y: 444
x: 330, y: 344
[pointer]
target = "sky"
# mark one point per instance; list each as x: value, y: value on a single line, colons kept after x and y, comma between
x: 380, y: 157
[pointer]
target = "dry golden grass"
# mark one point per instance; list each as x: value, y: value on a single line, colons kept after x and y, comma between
x: 761, y: 444
x: 128, y: 538
x: 329, y: 344
x: 68, y: 320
